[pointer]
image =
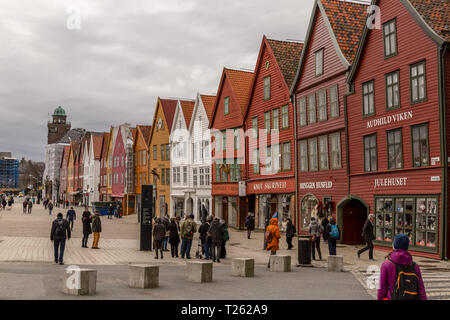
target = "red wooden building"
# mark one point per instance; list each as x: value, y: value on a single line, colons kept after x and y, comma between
x: 398, y: 126
x: 319, y: 88
x: 270, y: 144
x: 228, y: 147
x: 104, y: 168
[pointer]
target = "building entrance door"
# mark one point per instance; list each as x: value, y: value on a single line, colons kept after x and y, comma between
x: 354, y: 214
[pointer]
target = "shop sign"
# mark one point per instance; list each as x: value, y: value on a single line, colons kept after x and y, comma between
x: 435, y: 160
x: 242, y: 189
x: 435, y: 178
x: 269, y: 186
x: 390, y: 182
x: 317, y: 185
x: 390, y: 119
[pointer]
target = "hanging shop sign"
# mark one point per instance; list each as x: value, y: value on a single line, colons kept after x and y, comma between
x: 242, y: 189
x: 390, y: 119
x: 317, y: 185
x: 390, y: 182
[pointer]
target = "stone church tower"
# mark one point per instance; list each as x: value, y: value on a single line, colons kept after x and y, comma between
x: 58, y: 127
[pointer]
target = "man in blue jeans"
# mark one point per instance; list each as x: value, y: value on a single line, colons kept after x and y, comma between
x: 188, y: 228
x: 59, y: 233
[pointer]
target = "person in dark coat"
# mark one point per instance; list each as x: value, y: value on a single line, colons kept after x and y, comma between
x: 249, y: 224
x: 96, y: 229
x: 59, y: 233
x: 159, y: 232
x: 71, y: 216
x: 217, y: 232
x: 166, y: 236
x: 226, y: 237
x: 315, y: 229
x: 328, y: 238
x: 50, y: 208
x: 205, y: 237
x: 174, y: 237
x: 86, y: 219
x: 25, y: 204
x: 30, y: 205
x: 290, y: 233
x: 368, y: 236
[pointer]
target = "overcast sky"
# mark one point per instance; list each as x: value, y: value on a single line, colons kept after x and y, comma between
x: 110, y: 65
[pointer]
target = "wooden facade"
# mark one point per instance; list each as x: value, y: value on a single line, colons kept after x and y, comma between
x: 141, y: 162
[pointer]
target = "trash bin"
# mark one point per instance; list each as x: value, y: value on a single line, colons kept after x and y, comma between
x: 304, y: 250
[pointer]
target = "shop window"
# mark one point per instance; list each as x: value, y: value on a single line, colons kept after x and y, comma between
x: 426, y: 222
x: 420, y: 145
x: 384, y: 219
x: 395, y: 152
x: 404, y: 212
x: 309, y: 202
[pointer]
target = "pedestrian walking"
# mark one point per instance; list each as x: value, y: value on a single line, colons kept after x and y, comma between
x: 188, y: 229
x: 290, y: 233
x: 249, y: 224
x: 86, y: 219
x: 174, y: 237
x: 315, y: 229
x: 50, y: 208
x: 217, y: 231
x: 4, y: 203
x: 96, y: 229
x: 159, y: 232
x: 166, y: 236
x: 30, y: 206
x: 45, y: 203
x: 331, y: 235
x: 25, y: 205
x: 367, y: 234
x: 71, y: 216
x: 400, y: 276
x: 59, y: 233
x: 110, y: 211
x: 205, y: 237
x: 226, y: 237
x: 272, y: 237
x: 325, y: 222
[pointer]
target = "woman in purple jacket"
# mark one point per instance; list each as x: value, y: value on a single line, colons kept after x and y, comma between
x: 400, y: 256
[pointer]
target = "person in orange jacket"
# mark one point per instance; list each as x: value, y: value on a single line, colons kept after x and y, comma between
x: 272, y: 238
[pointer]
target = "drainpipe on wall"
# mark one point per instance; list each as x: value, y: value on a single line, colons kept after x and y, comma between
x: 296, y: 222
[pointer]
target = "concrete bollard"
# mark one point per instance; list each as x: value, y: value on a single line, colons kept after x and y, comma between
x: 199, y: 271
x: 280, y: 263
x: 143, y: 276
x: 79, y: 282
x: 243, y: 267
x: 335, y: 263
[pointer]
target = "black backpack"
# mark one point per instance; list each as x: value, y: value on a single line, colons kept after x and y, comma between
x: 60, y: 231
x: 406, y: 282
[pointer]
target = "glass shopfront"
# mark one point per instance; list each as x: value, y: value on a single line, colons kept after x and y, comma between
x: 309, y: 202
x: 415, y: 216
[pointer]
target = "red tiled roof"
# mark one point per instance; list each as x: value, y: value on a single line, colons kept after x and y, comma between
x: 436, y: 14
x: 105, y: 144
x: 241, y: 82
x: 208, y: 103
x: 169, y: 106
x: 188, y: 107
x: 287, y: 54
x: 133, y: 133
x: 97, y: 141
x: 347, y: 20
x: 146, y: 131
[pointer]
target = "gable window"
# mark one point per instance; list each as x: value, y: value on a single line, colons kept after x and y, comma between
x: 276, y: 119
x: 335, y: 146
x: 267, y: 88
x: 370, y: 153
x: 420, y: 145
x: 392, y: 91
x: 255, y: 127
x: 312, y: 144
x: 312, y: 108
x: 303, y: 148
x: 418, y: 82
x: 287, y: 156
x: 323, y: 105
x: 285, y: 117
x: 390, y: 38
x: 319, y: 62
x: 368, y: 98
x: 323, y: 152
x: 395, y: 152
x: 334, y: 102
x: 226, y: 105
x: 302, y: 111
x: 267, y: 122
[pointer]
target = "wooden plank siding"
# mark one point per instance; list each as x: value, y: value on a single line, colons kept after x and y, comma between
x: 413, y: 46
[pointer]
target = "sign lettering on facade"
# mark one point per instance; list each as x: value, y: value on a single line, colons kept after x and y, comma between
x: 390, y: 182
x: 435, y: 160
x: 390, y: 119
x: 435, y: 178
x: 269, y: 185
x: 317, y: 185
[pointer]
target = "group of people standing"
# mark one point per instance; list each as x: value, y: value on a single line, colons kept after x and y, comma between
x: 27, y: 205
x: 213, y: 236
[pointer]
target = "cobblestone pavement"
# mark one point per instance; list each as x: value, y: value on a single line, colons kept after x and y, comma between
x: 25, y: 238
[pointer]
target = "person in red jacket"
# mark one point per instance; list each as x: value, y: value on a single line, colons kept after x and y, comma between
x: 388, y: 274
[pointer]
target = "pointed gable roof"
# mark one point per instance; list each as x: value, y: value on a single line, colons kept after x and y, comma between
x: 97, y: 146
x: 436, y: 15
x: 169, y: 106
x: 105, y: 144
x: 208, y: 103
x: 287, y: 54
x: 188, y: 107
x: 241, y: 82
x: 145, y: 131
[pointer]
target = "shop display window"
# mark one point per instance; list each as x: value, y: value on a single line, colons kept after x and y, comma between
x: 307, y: 206
x: 384, y: 219
x: 426, y: 222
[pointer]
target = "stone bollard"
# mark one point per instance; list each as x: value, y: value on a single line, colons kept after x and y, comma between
x: 143, y: 276
x: 335, y: 263
x: 243, y: 267
x: 280, y: 263
x: 199, y: 271
x: 79, y: 282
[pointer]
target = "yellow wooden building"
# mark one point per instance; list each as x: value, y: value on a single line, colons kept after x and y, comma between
x: 141, y: 162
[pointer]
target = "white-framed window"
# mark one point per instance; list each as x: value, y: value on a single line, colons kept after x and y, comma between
x: 302, y: 111
x: 194, y: 177
x: 319, y: 62
x: 390, y: 38
x: 368, y: 98
x: 276, y: 119
x: 226, y: 105
x: 285, y: 117
x: 303, y: 149
x: 418, y: 82
x: 335, y: 150
x: 312, y: 108
x: 334, y: 101
x: 312, y: 146
x: 392, y: 90
x: 267, y: 88
x: 267, y: 122
x: 323, y: 152
x: 322, y: 105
